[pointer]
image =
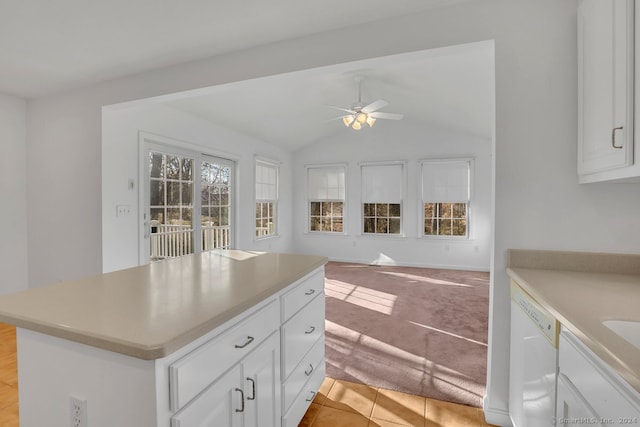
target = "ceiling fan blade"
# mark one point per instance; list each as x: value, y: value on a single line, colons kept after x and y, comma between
x: 381, y: 115
x: 342, y: 109
x: 335, y: 118
x: 375, y: 105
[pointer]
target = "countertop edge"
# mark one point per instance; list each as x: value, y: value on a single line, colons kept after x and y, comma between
x: 160, y: 350
x: 587, y: 339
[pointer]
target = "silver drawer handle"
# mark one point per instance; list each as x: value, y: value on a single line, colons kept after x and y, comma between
x: 241, y: 400
x: 613, y: 137
x: 249, y: 341
x: 313, y: 394
x: 310, y: 292
x: 310, y: 331
x: 307, y: 373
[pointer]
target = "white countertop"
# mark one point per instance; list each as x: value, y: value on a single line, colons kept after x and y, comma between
x: 581, y: 300
x: 151, y: 311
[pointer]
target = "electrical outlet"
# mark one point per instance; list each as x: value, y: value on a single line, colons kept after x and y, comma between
x: 78, y: 412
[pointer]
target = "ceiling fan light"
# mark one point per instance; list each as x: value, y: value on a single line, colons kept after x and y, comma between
x: 356, y: 125
x: 370, y: 121
x: 361, y: 117
x: 347, y: 120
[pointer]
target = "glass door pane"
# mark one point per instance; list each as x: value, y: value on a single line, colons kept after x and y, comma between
x: 171, y: 231
x: 216, y: 177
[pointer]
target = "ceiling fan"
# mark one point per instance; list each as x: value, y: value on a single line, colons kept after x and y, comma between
x: 360, y: 113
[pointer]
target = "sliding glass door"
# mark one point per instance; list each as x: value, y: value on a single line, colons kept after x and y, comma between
x: 175, y: 221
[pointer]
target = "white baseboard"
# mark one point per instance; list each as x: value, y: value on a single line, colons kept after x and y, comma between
x: 404, y: 264
x: 495, y: 416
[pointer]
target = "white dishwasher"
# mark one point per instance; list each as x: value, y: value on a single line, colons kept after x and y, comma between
x: 533, y: 362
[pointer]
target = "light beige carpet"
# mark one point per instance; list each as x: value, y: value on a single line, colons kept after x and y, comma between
x: 416, y: 330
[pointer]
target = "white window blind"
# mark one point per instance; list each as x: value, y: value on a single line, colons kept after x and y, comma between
x: 382, y: 183
x: 445, y: 181
x: 266, y: 181
x: 326, y: 183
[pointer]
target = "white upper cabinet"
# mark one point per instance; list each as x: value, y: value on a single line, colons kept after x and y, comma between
x: 606, y: 90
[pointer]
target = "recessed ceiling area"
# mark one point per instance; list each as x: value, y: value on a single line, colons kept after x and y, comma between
x: 448, y: 87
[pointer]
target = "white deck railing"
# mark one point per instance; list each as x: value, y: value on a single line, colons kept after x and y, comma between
x: 168, y: 240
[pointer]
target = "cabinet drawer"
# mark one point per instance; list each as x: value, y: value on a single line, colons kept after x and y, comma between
x: 192, y: 373
x: 302, y: 294
x: 300, y: 405
x: 306, y: 368
x: 301, y: 332
x: 605, y: 391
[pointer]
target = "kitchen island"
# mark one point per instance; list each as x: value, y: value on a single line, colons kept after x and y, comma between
x: 219, y: 338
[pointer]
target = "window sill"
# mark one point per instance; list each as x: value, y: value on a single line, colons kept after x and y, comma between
x: 448, y: 238
x: 325, y: 234
x: 382, y: 236
x: 263, y: 238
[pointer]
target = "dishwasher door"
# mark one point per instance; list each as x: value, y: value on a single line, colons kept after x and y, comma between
x: 533, y: 362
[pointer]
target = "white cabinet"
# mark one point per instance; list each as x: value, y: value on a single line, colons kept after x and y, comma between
x: 588, y: 389
x: 302, y: 334
x: 606, y: 90
x: 220, y: 405
x: 261, y: 376
x: 571, y: 405
x: 245, y: 396
x: 239, y: 376
x: 195, y: 371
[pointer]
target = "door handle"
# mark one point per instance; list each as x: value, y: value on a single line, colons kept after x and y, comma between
x: 241, y: 400
x: 313, y: 394
x: 249, y: 341
x: 613, y: 137
x: 310, y: 292
x: 313, y: 328
x: 253, y: 388
x: 307, y: 373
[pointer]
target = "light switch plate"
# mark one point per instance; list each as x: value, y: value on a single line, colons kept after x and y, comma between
x: 123, y: 210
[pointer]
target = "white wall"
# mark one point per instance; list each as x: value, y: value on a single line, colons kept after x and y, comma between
x: 120, y: 130
x: 13, y: 193
x: 410, y: 142
x: 538, y: 203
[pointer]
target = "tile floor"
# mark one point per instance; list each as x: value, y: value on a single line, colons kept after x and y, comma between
x: 342, y: 403
x: 338, y: 403
x: 8, y: 377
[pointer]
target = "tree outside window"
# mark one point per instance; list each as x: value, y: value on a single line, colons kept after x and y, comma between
x: 446, y: 185
x: 325, y: 194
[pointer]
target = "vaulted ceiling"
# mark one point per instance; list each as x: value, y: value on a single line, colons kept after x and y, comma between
x: 450, y: 88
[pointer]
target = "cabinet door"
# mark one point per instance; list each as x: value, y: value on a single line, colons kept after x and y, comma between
x: 605, y: 85
x: 572, y: 408
x: 261, y: 373
x: 220, y: 405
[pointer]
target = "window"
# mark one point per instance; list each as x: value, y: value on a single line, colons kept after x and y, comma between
x: 445, y: 197
x: 325, y: 193
x: 382, y: 191
x: 266, y: 198
x: 445, y: 219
